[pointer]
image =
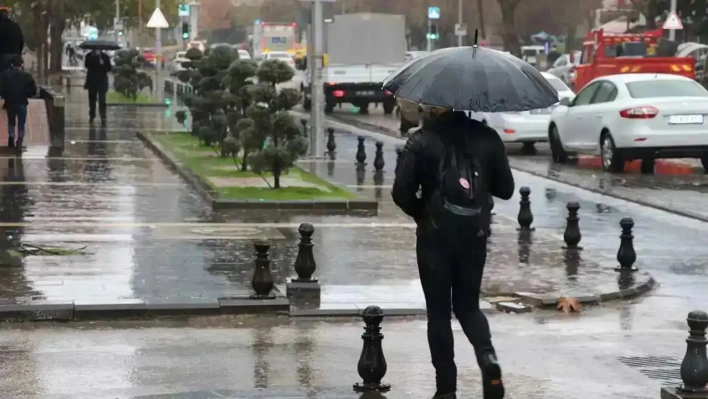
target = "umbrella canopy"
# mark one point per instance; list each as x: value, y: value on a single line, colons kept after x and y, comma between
x: 100, y: 45
x: 472, y: 79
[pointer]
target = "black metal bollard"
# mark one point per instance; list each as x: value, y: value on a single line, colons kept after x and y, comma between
x: 378, y: 158
x: 626, y: 256
x: 331, y: 144
x: 372, y: 363
x: 572, y: 234
x: 525, y: 217
x: 262, y: 281
x: 694, y: 368
x: 305, y: 265
x: 303, y: 121
x: 361, y: 151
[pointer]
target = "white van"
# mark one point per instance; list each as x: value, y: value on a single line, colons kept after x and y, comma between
x: 531, y: 54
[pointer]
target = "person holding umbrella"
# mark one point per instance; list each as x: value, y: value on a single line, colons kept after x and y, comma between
x: 97, y: 64
x: 457, y: 164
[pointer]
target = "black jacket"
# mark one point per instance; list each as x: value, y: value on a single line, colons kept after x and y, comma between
x: 16, y: 86
x: 419, y: 163
x: 97, y: 73
x: 11, y: 39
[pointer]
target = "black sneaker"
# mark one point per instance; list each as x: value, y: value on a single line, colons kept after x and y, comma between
x: 492, y: 377
x: 91, y: 121
x: 19, y: 143
x: 10, y: 142
x: 103, y: 123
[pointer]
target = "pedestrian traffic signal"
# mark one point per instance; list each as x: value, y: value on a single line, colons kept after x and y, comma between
x: 120, y: 32
x: 185, y: 30
x: 434, y: 32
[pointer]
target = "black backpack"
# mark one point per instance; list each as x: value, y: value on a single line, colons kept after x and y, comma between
x: 458, y: 203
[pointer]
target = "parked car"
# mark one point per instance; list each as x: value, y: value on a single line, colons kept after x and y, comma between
x: 633, y: 116
x: 525, y: 127
x: 176, y: 64
x: 244, y: 54
x: 564, y: 67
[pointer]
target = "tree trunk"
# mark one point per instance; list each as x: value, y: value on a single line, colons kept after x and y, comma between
x: 276, y: 176
x: 480, y: 10
x: 244, y: 161
x: 510, y: 37
x: 57, y: 48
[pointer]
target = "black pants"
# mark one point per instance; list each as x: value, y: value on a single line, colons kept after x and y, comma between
x: 100, y: 96
x: 451, y: 274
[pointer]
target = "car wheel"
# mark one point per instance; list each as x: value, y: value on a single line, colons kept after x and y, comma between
x: 529, y: 148
x: 388, y: 107
x: 611, y: 159
x: 558, y: 154
x: 647, y: 167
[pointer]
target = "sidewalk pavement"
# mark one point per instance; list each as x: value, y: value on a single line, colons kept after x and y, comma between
x: 622, y: 351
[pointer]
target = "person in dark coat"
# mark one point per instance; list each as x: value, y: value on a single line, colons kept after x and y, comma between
x: 451, y: 264
x: 12, y: 40
x: 97, y: 64
x: 16, y: 87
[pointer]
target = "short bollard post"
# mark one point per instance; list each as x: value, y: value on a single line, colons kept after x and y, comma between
x: 694, y: 368
x: 305, y: 289
x: 331, y: 144
x: 262, y: 277
x: 399, y: 152
x: 372, y: 363
x: 525, y: 217
x: 361, y: 151
x: 379, y: 159
x: 572, y: 234
x: 626, y: 256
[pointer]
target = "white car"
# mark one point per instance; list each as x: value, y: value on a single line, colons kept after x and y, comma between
x: 280, y: 55
x: 564, y: 68
x: 176, y: 64
x: 633, y: 116
x: 198, y: 44
x: 243, y: 55
x: 527, y: 127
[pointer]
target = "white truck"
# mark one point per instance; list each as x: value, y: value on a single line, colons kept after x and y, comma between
x: 269, y: 37
x: 363, y: 49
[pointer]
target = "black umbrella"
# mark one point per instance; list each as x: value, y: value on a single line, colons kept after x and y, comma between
x: 472, y: 79
x: 100, y: 45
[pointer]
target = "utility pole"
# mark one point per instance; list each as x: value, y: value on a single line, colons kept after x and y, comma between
x: 430, y: 40
x: 115, y: 21
x: 672, y: 32
x: 459, y: 21
x: 316, y: 85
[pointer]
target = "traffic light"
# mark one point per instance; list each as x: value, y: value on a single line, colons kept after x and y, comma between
x: 434, y: 32
x: 120, y: 32
x: 185, y: 30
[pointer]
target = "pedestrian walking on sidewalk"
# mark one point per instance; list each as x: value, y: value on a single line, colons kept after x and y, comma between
x: 12, y: 40
x: 97, y: 64
x: 16, y: 87
x: 458, y: 164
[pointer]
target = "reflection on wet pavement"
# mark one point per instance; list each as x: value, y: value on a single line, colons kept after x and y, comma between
x: 260, y: 357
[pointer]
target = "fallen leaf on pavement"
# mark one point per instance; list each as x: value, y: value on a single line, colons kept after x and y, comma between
x: 568, y: 304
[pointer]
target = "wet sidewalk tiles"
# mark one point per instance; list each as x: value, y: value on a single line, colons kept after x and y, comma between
x: 210, y: 195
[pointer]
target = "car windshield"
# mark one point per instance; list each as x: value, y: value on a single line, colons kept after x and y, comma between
x: 665, y: 88
x: 557, y: 84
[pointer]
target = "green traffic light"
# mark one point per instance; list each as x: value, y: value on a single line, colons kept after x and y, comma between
x: 185, y: 35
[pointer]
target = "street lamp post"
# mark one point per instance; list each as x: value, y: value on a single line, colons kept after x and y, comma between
x: 115, y: 22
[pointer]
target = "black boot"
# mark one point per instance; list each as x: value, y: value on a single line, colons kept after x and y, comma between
x: 492, y: 377
x: 103, y: 122
x: 451, y: 395
x: 19, y: 143
x: 10, y: 142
